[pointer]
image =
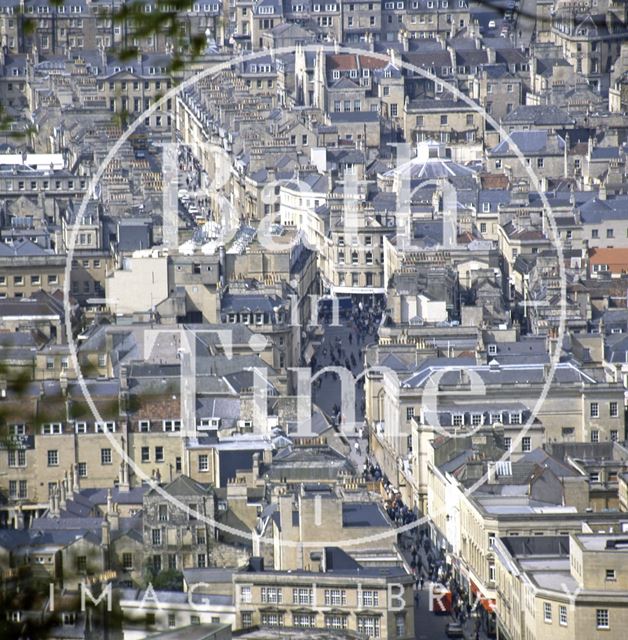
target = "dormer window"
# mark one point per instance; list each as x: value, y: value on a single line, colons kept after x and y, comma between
x: 144, y: 426
x: 515, y: 417
x: 492, y: 349
x: 105, y: 427
x: 336, y: 74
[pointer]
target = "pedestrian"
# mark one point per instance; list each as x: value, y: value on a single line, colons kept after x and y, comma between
x: 421, y: 582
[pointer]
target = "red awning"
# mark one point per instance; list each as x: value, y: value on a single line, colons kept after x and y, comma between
x: 488, y: 604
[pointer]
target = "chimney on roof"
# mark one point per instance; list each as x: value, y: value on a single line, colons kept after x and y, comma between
x: 123, y: 478
x: 63, y: 503
x: 602, y: 191
x: 124, y: 377
x: 63, y: 382
x: 76, y: 482
x: 106, y: 533
x: 52, y: 503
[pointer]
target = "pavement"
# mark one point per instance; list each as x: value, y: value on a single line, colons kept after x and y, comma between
x: 347, y: 347
x: 430, y: 625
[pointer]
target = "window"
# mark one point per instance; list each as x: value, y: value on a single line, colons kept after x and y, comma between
x: 105, y: 427
x: 156, y: 537
x: 609, y: 233
x: 195, y: 619
x: 594, y: 476
x: 162, y: 513
x: 171, y: 621
x: 335, y: 597
x: 476, y: 419
x: 562, y: 615
x: 614, y: 435
x: 245, y: 595
x: 144, y: 426
x: 18, y: 489
x: 145, y: 453
x: 172, y: 425
x: 203, y: 463
x: 201, y: 560
x: 159, y: 454
x: 458, y: 420
x: 611, y: 575
x: 303, y: 620
x: 335, y: 621
x: 105, y: 456
x: 127, y: 561
x: 507, y: 443
x: 443, y: 120
x: 80, y: 427
x: 272, y: 619
x: 595, y: 233
x: 540, y: 162
x: 595, y: 435
x: 369, y: 625
x: 272, y: 595
x: 526, y: 444
x: 370, y: 598
x: 81, y: 564
x: 53, y: 458
x: 302, y: 595
x: 595, y: 410
x: 400, y: 624
x: 614, y: 409
x: 409, y: 413
x: 601, y: 619
x: 547, y: 612
x: 17, y: 457
x: 515, y: 417
x: 82, y: 469
x: 247, y: 619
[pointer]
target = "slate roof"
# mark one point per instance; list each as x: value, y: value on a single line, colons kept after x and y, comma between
x: 539, y: 115
x: 530, y: 143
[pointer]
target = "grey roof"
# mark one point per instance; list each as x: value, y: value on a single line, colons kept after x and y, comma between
x: 539, y: 115
x: 357, y: 117
x: 529, y: 142
x: 507, y: 374
x: 364, y: 514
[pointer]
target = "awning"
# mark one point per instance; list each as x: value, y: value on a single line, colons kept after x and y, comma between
x: 489, y: 604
